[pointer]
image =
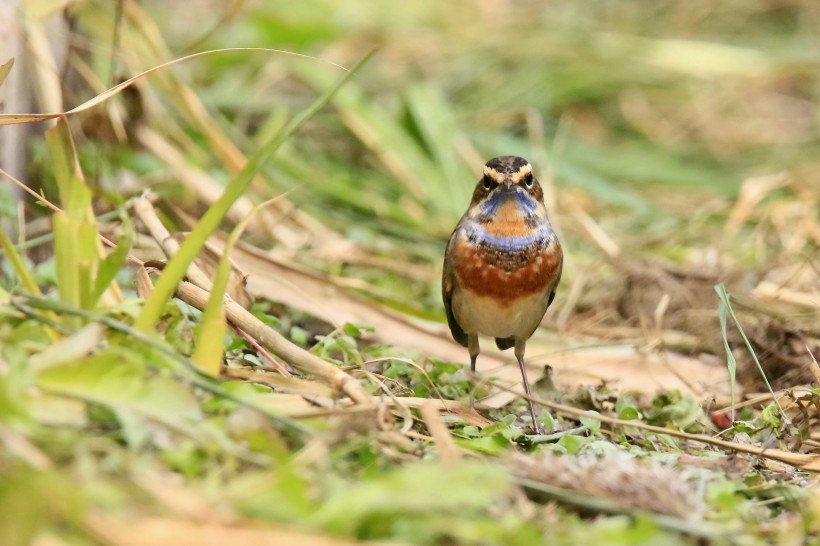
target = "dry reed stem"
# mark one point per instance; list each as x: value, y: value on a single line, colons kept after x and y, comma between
x: 145, y: 211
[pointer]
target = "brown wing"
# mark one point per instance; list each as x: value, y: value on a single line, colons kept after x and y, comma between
x: 447, y: 287
x: 555, y: 284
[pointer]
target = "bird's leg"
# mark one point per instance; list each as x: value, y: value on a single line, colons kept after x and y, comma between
x: 519, y: 355
x: 472, y: 347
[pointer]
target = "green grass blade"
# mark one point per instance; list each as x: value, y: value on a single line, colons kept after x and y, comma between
x: 176, y: 268
x: 731, y: 362
x: 210, y: 339
x: 17, y: 264
x: 78, y: 250
x: 726, y: 303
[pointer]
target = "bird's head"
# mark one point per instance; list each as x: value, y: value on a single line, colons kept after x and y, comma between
x: 507, y: 178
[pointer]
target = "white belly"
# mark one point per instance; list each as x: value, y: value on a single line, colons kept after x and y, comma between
x: 485, y: 316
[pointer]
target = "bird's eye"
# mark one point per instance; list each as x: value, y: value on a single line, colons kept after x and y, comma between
x: 528, y: 180
x: 488, y: 184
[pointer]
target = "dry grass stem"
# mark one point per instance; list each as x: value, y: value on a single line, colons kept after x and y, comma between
x: 594, y: 230
x: 447, y: 449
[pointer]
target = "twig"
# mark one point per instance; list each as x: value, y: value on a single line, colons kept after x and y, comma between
x: 293, y: 354
x: 447, y: 449
x: 145, y: 211
x: 800, y: 460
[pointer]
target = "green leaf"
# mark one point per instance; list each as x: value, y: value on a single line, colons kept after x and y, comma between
x: 546, y: 417
x: 472, y: 431
x: 66, y: 169
x: 87, y: 260
x: 118, y: 379
x: 625, y: 409
x: 573, y: 443
x: 498, y: 426
x: 65, y: 257
x: 110, y: 266
x: 629, y: 413
x: 743, y: 426
x: 594, y: 425
x: 771, y: 418
x: 675, y: 408
x: 599, y: 448
x: 299, y: 335
x: 210, y: 346
x: 5, y: 69
x: 495, y: 444
x: 413, y: 489
x: 355, y: 330
x: 75, y: 255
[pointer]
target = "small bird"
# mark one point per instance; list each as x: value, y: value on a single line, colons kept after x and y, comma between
x: 502, y: 264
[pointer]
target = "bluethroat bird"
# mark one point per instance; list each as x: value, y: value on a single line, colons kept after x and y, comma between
x: 502, y: 264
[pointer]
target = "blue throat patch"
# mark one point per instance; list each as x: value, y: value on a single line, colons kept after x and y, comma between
x: 491, y: 204
x: 540, y: 236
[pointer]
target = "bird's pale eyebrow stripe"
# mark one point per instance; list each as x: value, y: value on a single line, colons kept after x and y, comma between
x: 522, y: 172
x: 493, y: 174
x: 499, y: 177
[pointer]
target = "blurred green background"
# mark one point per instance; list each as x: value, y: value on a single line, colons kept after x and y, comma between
x: 648, y: 116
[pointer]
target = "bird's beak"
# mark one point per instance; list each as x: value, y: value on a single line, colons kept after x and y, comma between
x: 508, y: 185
